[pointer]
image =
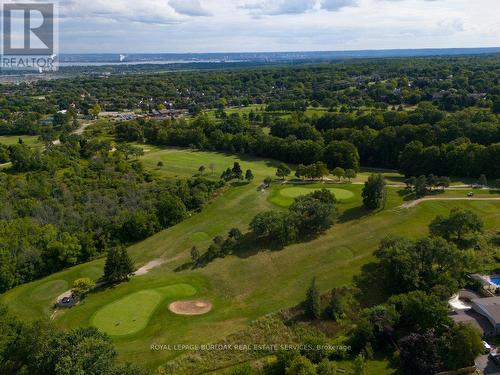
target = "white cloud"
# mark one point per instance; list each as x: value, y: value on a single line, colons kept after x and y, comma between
x: 279, y: 7
x: 146, y: 11
x: 189, y: 7
x: 275, y: 25
x: 334, y: 5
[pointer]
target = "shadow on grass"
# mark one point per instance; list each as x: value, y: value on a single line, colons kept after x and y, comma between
x: 407, y: 195
x: 239, y: 183
x: 354, y: 213
x: 369, y: 283
x: 248, y: 245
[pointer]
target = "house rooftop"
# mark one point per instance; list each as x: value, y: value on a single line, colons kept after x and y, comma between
x: 490, y: 305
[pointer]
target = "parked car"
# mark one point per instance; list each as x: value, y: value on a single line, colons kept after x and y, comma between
x: 487, y: 347
x: 495, y: 357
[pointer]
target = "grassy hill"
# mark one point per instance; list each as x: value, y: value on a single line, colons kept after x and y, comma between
x: 242, y: 288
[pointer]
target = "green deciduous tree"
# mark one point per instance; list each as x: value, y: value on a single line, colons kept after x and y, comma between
x: 460, y: 346
x: 170, y: 210
x: 81, y: 287
x: 421, y: 187
x: 283, y: 171
x: 458, y: 225
x: 300, y: 365
x: 350, y: 174
x: 374, y: 192
x: 339, y: 173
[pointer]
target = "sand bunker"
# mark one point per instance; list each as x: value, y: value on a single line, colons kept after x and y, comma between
x: 190, y: 307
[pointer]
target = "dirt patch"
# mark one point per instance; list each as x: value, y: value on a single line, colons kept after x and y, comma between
x: 190, y: 307
x: 148, y: 267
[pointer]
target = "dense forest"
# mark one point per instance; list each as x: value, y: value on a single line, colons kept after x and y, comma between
x: 74, y: 201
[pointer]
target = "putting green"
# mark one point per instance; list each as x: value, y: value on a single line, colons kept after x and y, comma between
x: 132, y: 313
x: 294, y: 192
x: 49, y: 290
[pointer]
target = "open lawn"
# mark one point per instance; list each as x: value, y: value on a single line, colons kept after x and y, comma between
x: 30, y: 140
x: 185, y: 163
x: 242, y: 287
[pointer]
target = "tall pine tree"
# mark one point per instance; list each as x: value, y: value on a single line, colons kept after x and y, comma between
x: 118, y: 266
x: 312, y: 303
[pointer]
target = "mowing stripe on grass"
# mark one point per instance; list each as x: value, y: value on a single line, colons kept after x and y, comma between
x: 49, y: 290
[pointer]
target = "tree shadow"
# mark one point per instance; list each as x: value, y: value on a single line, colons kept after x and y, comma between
x: 248, y: 245
x: 354, y: 213
x: 407, y: 195
x: 370, y: 284
x: 239, y: 183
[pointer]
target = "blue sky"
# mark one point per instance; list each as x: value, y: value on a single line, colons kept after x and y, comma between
x: 275, y: 25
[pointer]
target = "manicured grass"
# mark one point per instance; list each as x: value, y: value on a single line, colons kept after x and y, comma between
x: 295, y: 192
x: 245, y: 286
x: 200, y: 236
x: 185, y: 163
x: 131, y: 314
x: 47, y: 290
x: 284, y: 195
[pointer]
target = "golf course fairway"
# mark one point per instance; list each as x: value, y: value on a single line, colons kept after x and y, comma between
x: 284, y: 197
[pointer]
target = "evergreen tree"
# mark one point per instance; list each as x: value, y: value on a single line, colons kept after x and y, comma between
x: 111, y: 265
x: 118, y: 266
x: 249, y: 175
x: 227, y: 175
x: 237, y: 172
x: 337, y: 306
x: 312, y: 303
x: 126, y: 264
